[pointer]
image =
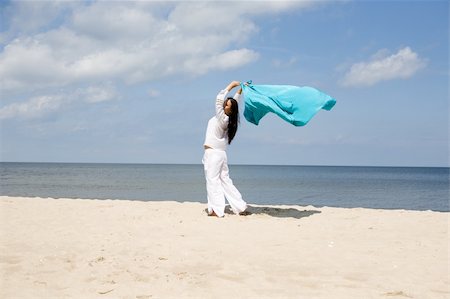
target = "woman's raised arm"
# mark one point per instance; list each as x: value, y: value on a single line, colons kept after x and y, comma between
x: 233, y: 84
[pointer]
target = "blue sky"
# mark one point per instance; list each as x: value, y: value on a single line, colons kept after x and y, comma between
x: 135, y: 82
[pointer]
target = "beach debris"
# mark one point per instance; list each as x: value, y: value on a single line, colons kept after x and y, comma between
x: 97, y: 260
x: 397, y: 293
x: 106, y: 292
x: 162, y: 258
x: 331, y: 244
x: 182, y: 275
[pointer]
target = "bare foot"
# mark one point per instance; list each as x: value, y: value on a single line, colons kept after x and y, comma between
x: 211, y: 214
x: 245, y: 213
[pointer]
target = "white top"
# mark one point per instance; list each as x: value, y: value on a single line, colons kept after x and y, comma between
x: 216, y: 132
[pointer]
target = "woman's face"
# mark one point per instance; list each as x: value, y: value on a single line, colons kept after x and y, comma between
x: 227, y: 107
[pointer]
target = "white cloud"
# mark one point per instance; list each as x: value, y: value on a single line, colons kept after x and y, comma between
x: 34, y: 108
x: 44, y: 105
x: 285, y: 63
x: 27, y: 63
x: 382, y: 66
x: 96, y: 94
x: 38, y: 15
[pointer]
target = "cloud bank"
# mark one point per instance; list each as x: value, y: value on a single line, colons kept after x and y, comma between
x: 77, y: 45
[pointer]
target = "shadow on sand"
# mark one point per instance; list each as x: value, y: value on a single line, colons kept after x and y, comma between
x: 277, y: 212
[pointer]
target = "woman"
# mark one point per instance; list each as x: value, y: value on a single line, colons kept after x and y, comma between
x: 220, y: 132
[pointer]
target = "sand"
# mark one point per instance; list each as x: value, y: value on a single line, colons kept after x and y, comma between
x: 77, y: 248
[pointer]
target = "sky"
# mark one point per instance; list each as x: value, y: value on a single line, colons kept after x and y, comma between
x: 135, y: 82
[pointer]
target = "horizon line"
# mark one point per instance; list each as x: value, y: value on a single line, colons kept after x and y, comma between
x: 233, y: 164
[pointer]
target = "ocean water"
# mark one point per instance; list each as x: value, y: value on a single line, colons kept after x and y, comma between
x: 408, y: 188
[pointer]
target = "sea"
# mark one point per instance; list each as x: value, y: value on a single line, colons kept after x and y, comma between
x: 409, y: 188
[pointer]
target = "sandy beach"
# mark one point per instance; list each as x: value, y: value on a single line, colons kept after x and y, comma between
x: 80, y: 248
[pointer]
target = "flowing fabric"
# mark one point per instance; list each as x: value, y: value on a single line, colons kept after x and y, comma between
x: 296, y: 105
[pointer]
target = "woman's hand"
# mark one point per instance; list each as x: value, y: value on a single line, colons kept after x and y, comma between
x: 233, y: 84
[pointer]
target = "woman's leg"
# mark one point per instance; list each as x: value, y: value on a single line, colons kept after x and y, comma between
x: 213, y: 161
x: 232, y: 194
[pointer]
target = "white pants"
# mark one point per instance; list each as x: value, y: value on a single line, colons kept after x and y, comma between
x: 219, y: 185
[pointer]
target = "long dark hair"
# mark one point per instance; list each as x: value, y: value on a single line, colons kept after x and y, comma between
x: 233, y: 119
